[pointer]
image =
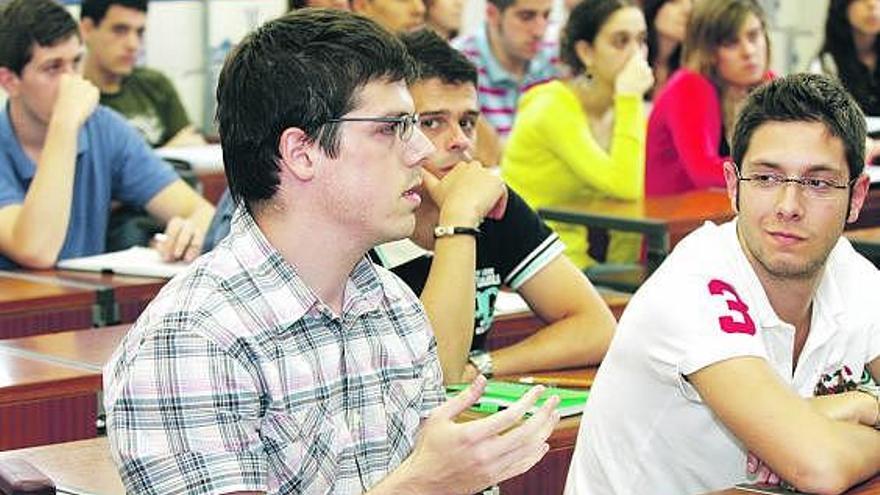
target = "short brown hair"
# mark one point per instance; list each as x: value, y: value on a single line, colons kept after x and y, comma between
x: 711, y: 24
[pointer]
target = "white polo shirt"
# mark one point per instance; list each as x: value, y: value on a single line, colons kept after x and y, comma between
x: 645, y: 429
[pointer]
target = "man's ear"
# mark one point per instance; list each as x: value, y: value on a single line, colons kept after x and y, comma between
x: 86, y: 27
x: 296, y: 151
x: 858, y: 197
x: 493, y: 14
x: 359, y: 6
x: 730, y: 177
x: 9, y: 81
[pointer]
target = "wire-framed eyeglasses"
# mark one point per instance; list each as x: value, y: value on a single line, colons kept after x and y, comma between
x: 402, y: 125
x: 814, y: 187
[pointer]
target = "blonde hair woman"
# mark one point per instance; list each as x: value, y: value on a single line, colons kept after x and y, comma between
x: 725, y: 55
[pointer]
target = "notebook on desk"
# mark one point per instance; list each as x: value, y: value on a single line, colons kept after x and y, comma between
x: 202, y: 158
x: 138, y: 261
x: 500, y: 395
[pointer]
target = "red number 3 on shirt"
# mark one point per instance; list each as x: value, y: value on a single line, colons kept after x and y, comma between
x: 744, y: 324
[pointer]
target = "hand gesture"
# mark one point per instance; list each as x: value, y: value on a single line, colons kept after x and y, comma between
x: 182, y: 240
x: 76, y: 100
x: 464, y: 458
x: 467, y: 194
x: 636, y: 77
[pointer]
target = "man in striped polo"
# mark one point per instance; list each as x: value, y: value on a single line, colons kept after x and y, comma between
x: 511, y: 55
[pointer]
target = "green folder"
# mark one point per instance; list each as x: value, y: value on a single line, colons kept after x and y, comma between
x: 500, y: 395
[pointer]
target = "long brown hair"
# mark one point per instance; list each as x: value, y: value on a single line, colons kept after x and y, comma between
x: 711, y: 24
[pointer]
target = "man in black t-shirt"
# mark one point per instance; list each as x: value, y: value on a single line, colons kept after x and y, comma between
x: 474, y: 237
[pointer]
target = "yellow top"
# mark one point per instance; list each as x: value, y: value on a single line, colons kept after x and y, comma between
x: 551, y: 158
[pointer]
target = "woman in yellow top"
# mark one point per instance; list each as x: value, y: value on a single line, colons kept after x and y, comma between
x: 584, y: 137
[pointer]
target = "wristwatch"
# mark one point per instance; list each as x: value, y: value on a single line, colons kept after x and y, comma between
x: 481, y: 360
x: 449, y: 230
x: 873, y: 391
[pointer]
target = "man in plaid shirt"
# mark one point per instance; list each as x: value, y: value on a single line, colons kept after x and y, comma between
x: 283, y: 361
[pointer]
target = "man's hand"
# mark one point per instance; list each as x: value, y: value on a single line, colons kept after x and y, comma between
x: 467, y: 194
x: 182, y: 241
x: 77, y: 99
x: 851, y: 407
x: 463, y: 458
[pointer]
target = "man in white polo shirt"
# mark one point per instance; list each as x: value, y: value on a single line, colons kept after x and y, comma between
x: 750, y: 354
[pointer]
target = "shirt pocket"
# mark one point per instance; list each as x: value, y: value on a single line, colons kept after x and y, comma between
x: 306, y: 447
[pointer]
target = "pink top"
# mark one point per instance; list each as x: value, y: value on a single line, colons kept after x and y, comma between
x: 684, y: 136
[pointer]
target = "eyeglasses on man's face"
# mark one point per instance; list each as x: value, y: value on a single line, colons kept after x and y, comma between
x: 402, y: 125
x: 814, y: 187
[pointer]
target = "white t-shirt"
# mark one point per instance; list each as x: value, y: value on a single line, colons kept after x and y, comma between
x: 645, y: 429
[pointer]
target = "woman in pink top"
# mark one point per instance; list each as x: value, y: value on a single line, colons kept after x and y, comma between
x: 725, y: 55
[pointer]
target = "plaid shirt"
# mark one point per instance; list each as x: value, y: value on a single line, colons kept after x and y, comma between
x: 238, y: 378
x: 497, y: 90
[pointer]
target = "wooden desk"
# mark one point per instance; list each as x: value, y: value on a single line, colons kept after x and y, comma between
x: 870, y: 487
x: 213, y: 184
x: 30, y: 306
x: 84, y: 466
x: 122, y: 298
x: 44, y: 402
x: 52, y: 384
x: 87, y: 349
x: 664, y: 220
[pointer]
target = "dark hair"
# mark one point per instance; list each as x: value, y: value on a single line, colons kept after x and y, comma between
x: 841, y: 46
x: 584, y: 23
x: 299, y: 70
x: 502, y: 5
x: 436, y: 59
x: 97, y: 9
x: 296, y: 4
x: 805, y: 98
x: 652, y: 8
x: 24, y: 23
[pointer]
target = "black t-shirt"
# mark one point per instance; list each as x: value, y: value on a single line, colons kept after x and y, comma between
x: 509, y: 252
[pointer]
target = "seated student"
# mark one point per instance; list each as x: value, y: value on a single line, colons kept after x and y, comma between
x: 396, y: 16
x: 725, y: 54
x: 113, y: 33
x: 458, y: 275
x: 444, y: 17
x: 667, y: 23
x: 284, y: 361
x: 850, y: 52
x: 63, y: 160
x: 748, y: 355
x: 584, y: 137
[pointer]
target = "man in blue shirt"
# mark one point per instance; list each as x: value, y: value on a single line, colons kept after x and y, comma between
x: 63, y: 158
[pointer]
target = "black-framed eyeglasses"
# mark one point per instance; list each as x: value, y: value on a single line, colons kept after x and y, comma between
x: 402, y: 125
x: 814, y: 187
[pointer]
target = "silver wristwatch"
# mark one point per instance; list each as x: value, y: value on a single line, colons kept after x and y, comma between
x: 481, y: 360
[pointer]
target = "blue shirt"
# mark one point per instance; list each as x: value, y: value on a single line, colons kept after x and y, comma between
x: 112, y: 163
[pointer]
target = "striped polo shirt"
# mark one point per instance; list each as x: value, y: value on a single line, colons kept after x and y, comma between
x: 498, y: 90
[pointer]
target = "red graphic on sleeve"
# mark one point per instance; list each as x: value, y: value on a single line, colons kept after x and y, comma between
x: 729, y: 324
